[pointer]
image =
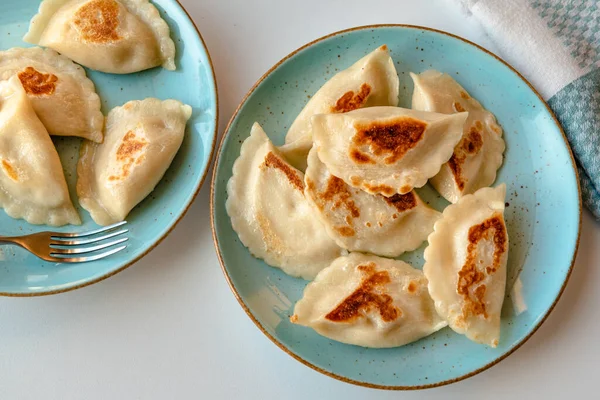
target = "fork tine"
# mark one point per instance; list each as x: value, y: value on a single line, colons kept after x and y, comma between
x: 54, y: 251
x: 86, y: 241
x: 66, y: 259
x: 58, y: 235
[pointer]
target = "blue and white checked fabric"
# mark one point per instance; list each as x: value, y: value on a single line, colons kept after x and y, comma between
x: 555, y: 44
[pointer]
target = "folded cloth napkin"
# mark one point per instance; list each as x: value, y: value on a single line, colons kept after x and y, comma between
x: 555, y: 44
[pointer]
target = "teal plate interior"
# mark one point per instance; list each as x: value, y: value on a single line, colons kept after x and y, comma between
x: 193, y: 83
x: 542, y: 214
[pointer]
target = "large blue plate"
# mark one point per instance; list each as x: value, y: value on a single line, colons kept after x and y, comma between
x: 543, y: 211
x: 193, y: 83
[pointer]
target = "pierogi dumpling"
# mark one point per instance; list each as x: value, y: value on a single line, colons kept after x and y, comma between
x: 359, y: 221
x: 32, y: 183
x: 369, y: 301
x: 141, y: 139
x: 270, y: 214
x: 115, y: 36
x: 63, y: 98
x: 465, y: 264
x: 371, y: 81
x: 478, y: 155
x: 386, y: 150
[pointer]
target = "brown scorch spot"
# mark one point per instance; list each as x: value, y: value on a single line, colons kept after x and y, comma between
x: 98, y: 20
x: 352, y: 101
x: 470, y: 276
x: 368, y: 296
x: 390, y: 138
x: 37, y: 83
x: 272, y: 161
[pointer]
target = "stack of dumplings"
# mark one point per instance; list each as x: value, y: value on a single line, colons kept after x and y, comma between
x: 44, y: 92
x: 32, y: 184
x: 337, y: 203
x: 271, y: 214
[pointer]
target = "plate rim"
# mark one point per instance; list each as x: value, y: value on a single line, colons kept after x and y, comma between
x: 281, y: 345
x: 186, y: 206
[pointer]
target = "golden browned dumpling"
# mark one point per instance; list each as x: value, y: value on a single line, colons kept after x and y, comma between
x: 386, y: 150
x: 63, y: 98
x: 465, y: 264
x: 370, y: 81
x: 32, y: 183
x: 478, y: 155
x: 116, y: 36
x: 369, y: 301
x: 270, y: 214
x: 141, y: 140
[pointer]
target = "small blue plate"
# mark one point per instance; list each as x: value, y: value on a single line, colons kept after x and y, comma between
x: 22, y: 274
x: 542, y: 214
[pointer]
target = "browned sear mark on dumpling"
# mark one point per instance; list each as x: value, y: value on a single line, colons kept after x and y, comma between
x: 473, y: 142
x: 369, y: 295
x: 128, y: 154
x: 360, y: 158
x: 130, y: 146
x: 37, y: 83
x: 383, y: 189
x: 464, y: 95
x: 337, y: 195
x: 345, y: 231
x: 391, y: 138
x: 412, y: 287
x: 458, y: 107
x: 352, y: 101
x: 402, y: 202
x: 98, y: 20
x: 470, y: 276
x: 272, y: 161
x: 10, y: 171
x: 469, y: 145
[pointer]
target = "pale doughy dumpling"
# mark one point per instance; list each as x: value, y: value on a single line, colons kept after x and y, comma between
x: 270, y: 214
x: 296, y: 152
x: 63, y: 98
x: 140, y: 141
x: 465, y: 264
x: 369, y: 301
x: 371, y: 81
x: 32, y: 183
x: 359, y: 221
x: 478, y: 155
x: 115, y: 36
x: 386, y: 150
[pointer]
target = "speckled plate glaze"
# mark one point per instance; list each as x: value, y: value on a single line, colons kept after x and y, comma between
x: 543, y: 211
x: 22, y: 274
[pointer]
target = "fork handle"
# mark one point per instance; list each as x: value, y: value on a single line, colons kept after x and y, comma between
x: 8, y: 240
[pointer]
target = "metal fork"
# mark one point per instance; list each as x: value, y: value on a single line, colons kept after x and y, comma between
x: 66, y: 247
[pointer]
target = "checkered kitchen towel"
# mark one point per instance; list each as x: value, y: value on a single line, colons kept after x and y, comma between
x: 555, y: 44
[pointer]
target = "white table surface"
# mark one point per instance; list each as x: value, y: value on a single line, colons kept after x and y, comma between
x: 169, y: 326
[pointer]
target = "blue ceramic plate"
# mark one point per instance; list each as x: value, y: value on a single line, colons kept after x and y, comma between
x: 542, y: 214
x: 193, y: 83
